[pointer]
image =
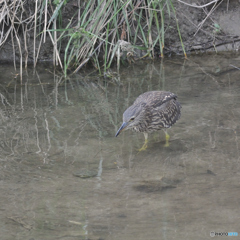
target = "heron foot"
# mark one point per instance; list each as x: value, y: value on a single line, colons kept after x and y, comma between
x: 144, y: 147
x: 167, y: 140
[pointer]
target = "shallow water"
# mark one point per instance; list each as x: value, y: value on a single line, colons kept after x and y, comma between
x: 52, y: 129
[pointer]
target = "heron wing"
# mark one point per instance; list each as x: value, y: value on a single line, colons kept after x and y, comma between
x: 154, y: 98
x: 161, y: 109
x: 168, y: 112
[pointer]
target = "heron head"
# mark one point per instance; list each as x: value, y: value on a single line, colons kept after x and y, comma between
x: 131, y: 117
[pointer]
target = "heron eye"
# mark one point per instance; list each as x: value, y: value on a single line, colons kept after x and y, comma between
x: 132, y: 118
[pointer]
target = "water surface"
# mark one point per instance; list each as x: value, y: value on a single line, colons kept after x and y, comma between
x: 53, y: 128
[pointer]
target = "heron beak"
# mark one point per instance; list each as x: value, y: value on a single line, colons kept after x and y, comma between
x: 122, y: 128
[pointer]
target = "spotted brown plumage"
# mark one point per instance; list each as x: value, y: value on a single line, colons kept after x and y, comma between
x: 151, y: 111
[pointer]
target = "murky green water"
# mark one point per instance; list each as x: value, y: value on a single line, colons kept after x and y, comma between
x: 55, y: 131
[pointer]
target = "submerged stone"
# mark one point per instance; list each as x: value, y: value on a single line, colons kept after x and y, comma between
x: 85, y: 173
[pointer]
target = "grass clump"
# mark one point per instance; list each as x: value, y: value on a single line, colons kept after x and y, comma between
x: 98, y: 31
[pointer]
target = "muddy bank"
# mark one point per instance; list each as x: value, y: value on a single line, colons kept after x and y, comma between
x: 203, y: 27
x: 211, y: 28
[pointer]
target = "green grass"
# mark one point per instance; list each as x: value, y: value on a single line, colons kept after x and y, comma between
x: 99, y: 32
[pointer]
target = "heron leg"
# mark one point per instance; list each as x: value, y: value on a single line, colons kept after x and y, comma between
x: 167, y: 138
x: 144, y: 147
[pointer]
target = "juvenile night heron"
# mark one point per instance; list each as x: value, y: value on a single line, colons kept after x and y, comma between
x: 151, y: 111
